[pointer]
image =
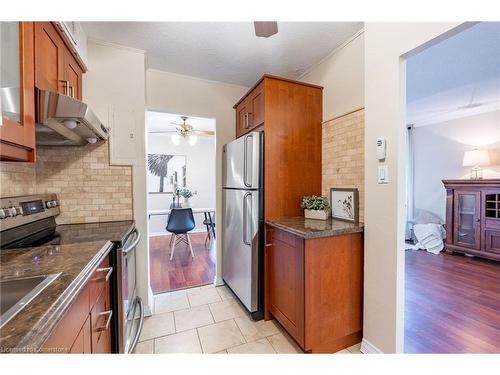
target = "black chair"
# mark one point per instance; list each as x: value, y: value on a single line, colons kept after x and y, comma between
x: 209, y: 222
x: 180, y: 222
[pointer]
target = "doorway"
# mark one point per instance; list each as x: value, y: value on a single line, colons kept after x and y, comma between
x: 453, y: 133
x: 181, y: 174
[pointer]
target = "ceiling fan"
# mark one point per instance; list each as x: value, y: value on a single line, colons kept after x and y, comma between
x: 265, y: 29
x: 185, y: 131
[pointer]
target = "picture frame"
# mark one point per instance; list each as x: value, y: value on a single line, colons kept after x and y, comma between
x: 164, y: 172
x: 344, y: 204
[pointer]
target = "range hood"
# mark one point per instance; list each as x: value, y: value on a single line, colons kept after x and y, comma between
x: 64, y: 121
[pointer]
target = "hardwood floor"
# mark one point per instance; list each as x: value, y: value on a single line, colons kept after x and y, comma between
x: 182, y: 271
x: 452, y: 304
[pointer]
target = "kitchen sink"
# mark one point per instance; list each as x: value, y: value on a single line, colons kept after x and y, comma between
x: 15, y: 294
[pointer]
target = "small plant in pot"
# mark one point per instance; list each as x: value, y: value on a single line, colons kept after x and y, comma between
x: 186, y: 194
x: 316, y: 207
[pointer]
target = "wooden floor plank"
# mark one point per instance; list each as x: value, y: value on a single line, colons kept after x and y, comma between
x: 452, y: 304
x: 182, y: 271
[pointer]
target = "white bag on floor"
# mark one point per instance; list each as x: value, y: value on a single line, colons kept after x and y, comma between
x: 430, y: 237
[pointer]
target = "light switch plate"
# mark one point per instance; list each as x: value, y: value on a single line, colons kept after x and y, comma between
x: 383, y: 174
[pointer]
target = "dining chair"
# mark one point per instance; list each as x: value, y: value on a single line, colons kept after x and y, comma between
x: 209, y: 222
x: 180, y: 223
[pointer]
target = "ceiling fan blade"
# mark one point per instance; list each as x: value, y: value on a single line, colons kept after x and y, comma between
x: 265, y: 28
x: 204, y: 132
x: 163, y: 132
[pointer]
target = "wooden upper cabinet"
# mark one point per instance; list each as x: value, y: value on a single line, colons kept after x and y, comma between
x: 17, y: 129
x: 32, y: 54
x: 48, y: 58
x: 73, y: 75
x: 55, y: 67
x: 250, y: 111
x: 256, y: 101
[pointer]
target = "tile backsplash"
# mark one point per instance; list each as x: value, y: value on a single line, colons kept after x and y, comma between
x: 343, y: 155
x: 90, y: 190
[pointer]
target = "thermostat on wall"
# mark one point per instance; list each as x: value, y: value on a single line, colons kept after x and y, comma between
x: 381, y: 148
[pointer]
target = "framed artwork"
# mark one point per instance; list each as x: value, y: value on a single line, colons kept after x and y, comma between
x: 345, y: 204
x: 163, y: 172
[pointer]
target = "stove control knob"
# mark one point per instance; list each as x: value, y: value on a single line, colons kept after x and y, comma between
x: 3, y: 215
x: 12, y: 211
x: 19, y: 210
x: 48, y: 204
x: 56, y: 203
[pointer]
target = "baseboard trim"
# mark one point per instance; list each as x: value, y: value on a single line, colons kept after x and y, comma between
x: 368, y: 348
x: 147, y: 311
x: 218, y: 281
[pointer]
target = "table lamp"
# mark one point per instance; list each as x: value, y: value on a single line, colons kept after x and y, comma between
x: 476, y: 159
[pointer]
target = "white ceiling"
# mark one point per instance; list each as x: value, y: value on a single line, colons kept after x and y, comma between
x: 160, y: 121
x: 456, y: 78
x: 227, y: 51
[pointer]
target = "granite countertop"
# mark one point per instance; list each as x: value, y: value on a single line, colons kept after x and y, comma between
x: 80, y: 250
x: 310, y: 228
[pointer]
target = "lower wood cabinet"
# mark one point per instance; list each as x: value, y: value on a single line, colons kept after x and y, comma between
x: 314, y: 288
x: 86, y: 326
x: 473, y: 217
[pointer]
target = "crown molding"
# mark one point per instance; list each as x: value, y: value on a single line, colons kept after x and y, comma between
x: 335, y: 51
x: 117, y: 46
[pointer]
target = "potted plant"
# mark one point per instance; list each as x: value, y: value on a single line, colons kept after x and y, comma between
x: 316, y: 207
x: 186, y: 194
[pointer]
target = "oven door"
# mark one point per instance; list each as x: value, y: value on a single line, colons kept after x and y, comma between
x: 131, y: 306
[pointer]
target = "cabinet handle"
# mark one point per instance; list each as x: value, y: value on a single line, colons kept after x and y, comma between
x: 105, y: 327
x: 109, y: 271
x: 247, y: 120
x: 71, y: 91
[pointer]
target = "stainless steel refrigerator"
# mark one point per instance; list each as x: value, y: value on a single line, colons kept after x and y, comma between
x: 243, y: 208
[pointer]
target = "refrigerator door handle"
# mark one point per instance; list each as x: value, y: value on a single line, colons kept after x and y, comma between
x: 245, y: 160
x: 245, y: 219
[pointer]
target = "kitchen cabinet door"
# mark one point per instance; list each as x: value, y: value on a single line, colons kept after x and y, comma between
x: 242, y: 118
x: 82, y: 344
x: 17, y: 100
x: 257, y: 107
x: 286, y: 283
x: 72, y: 74
x: 49, y: 58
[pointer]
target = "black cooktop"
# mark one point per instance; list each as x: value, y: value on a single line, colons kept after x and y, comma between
x: 46, y: 232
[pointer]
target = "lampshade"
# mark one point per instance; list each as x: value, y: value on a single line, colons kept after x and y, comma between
x: 476, y: 158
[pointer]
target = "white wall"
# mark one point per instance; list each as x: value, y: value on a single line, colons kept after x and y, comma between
x: 342, y: 75
x: 386, y: 47
x: 114, y: 87
x: 200, y: 177
x: 174, y: 93
x: 439, y: 151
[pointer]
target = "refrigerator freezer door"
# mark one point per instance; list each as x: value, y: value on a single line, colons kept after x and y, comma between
x: 241, y: 162
x: 241, y: 244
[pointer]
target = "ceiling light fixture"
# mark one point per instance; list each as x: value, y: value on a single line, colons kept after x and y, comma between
x: 176, y: 139
x: 192, y: 139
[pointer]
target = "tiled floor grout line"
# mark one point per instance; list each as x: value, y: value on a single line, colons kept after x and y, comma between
x: 199, y: 341
x: 239, y: 329
x: 270, y: 343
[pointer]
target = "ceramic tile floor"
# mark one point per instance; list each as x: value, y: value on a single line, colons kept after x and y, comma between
x: 209, y: 319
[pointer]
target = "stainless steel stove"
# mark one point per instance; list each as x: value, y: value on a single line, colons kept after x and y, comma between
x: 29, y: 221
